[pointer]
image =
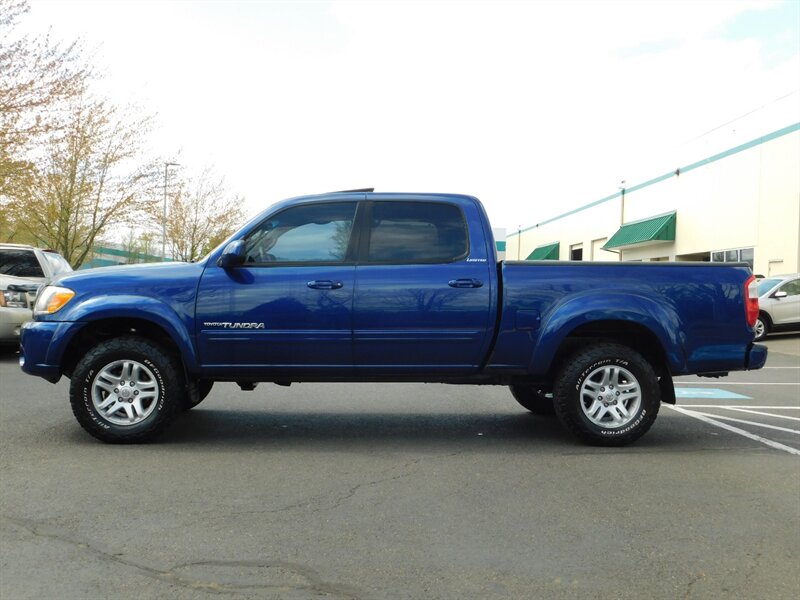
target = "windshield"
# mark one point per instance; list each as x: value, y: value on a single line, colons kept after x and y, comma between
x: 766, y: 285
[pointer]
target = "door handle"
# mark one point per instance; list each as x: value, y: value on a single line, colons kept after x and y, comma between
x: 325, y: 284
x: 465, y: 283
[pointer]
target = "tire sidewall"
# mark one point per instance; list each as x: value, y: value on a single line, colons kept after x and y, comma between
x: 100, y: 357
x: 568, y: 402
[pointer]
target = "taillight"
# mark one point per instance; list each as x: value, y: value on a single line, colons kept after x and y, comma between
x: 751, y: 300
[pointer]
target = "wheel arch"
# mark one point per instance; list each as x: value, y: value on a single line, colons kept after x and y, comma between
x: 633, y: 335
x: 108, y: 328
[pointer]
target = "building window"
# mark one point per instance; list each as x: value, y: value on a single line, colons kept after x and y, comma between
x: 576, y: 252
x: 744, y: 255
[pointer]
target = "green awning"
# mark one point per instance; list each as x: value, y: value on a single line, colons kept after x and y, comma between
x: 501, y: 246
x: 546, y: 252
x: 645, y: 232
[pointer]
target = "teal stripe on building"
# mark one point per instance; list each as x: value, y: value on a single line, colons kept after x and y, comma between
x: 691, y: 167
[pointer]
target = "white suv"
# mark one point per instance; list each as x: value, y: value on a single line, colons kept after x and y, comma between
x: 22, y: 270
x: 779, y: 304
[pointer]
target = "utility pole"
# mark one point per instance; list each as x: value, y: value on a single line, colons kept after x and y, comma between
x: 167, y: 165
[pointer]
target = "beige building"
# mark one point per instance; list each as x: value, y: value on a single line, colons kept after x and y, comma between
x: 742, y: 204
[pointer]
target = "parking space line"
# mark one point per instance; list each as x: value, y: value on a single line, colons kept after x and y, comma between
x: 743, y: 422
x: 735, y: 383
x: 742, y: 432
x: 763, y: 414
x: 762, y: 407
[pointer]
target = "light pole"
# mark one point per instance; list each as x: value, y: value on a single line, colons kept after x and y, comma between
x: 167, y: 165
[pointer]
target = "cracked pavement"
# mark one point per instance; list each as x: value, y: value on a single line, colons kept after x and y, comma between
x: 384, y: 491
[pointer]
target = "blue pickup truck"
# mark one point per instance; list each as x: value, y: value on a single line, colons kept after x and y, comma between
x: 361, y: 286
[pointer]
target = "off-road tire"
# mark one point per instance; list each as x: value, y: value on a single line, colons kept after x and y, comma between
x: 533, y: 399
x: 160, y: 371
x: 578, y: 395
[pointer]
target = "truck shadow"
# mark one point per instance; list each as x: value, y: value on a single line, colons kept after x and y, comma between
x: 283, y: 429
x: 325, y: 431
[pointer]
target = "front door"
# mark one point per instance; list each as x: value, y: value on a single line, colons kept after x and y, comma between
x: 290, y: 305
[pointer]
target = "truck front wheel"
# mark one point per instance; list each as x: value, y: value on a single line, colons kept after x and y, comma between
x: 126, y: 390
x: 607, y: 395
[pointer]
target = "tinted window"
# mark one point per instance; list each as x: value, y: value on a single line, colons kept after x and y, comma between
x: 792, y: 288
x: 416, y: 232
x: 20, y: 263
x: 310, y: 233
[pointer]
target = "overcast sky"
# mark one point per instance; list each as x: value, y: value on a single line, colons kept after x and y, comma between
x: 534, y: 107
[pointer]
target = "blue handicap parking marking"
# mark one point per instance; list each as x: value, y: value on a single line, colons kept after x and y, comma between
x: 713, y: 393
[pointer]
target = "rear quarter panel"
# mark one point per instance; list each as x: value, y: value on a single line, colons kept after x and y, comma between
x: 695, y: 310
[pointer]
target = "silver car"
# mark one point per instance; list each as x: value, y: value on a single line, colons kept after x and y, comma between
x: 22, y: 270
x: 779, y: 305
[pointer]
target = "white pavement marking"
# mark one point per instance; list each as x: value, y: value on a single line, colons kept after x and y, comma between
x: 741, y: 432
x: 733, y: 383
x: 780, y: 367
x: 753, y: 423
x: 763, y: 414
x: 725, y: 406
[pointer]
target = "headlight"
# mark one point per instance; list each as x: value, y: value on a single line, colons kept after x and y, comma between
x: 13, y: 299
x: 52, y: 299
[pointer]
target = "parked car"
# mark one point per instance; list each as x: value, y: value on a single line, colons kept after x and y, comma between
x: 22, y: 270
x: 779, y: 303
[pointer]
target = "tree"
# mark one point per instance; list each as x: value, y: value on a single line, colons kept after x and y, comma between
x: 201, y: 214
x: 38, y: 79
x: 88, y: 181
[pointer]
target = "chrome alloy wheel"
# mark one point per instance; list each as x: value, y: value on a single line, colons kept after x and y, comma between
x: 610, y: 397
x: 125, y: 392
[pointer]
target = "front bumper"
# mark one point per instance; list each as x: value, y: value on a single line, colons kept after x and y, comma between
x: 11, y: 320
x: 42, y: 345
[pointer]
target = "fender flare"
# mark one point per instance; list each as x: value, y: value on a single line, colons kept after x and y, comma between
x: 144, y: 308
x: 591, y: 307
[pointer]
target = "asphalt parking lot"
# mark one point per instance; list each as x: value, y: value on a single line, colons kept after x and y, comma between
x: 405, y: 491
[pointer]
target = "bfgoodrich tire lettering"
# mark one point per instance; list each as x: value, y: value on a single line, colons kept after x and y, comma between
x: 126, y: 390
x: 607, y: 395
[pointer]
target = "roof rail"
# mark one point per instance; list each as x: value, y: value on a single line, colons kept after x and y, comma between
x: 352, y: 191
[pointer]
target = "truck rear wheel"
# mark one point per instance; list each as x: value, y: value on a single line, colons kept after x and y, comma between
x: 126, y: 390
x: 607, y: 395
x: 533, y: 399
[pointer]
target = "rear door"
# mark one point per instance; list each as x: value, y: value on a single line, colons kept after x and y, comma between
x: 421, y: 301
x: 290, y: 305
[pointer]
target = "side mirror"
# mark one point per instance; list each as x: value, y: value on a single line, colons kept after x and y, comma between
x: 779, y: 295
x: 233, y: 255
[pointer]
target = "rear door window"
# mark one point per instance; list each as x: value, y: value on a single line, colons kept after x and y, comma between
x: 417, y: 232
